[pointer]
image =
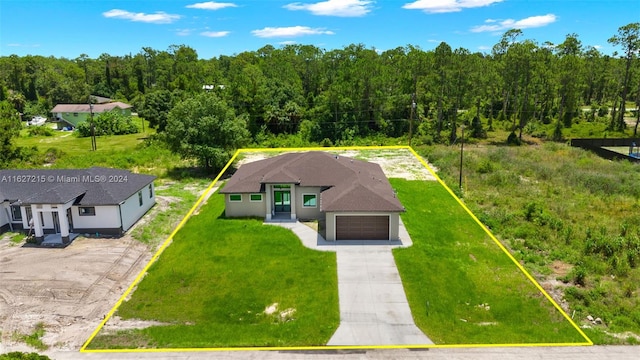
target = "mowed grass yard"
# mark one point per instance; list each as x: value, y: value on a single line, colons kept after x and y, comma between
x: 461, y: 287
x: 212, y: 285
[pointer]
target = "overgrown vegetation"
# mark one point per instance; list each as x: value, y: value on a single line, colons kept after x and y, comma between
x: 34, y: 339
x: 552, y: 203
x: 177, y: 198
x: 40, y: 131
x: 108, y: 123
x: 461, y: 287
x: 17, y: 355
x: 225, y: 280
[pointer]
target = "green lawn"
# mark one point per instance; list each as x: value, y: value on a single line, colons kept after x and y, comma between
x: 64, y: 149
x: 213, y: 284
x: 462, y: 289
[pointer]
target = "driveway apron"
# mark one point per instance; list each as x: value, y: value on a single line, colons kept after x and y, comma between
x: 373, y: 305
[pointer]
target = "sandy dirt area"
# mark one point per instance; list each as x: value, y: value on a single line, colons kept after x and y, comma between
x: 68, y: 290
x: 395, y: 163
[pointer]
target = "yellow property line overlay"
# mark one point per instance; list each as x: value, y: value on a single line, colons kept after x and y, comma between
x: 198, y: 203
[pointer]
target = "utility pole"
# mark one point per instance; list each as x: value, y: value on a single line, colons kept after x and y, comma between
x: 413, y: 109
x: 461, y: 154
x: 94, y: 145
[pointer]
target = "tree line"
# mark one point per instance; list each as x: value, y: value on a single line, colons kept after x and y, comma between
x: 341, y: 94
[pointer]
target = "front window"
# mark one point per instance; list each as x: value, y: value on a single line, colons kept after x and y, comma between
x: 309, y: 200
x: 140, y: 197
x: 150, y: 191
x: 16, y: 214
x: 256, y: 197
x: 235, y: 197
x: 87, y: 211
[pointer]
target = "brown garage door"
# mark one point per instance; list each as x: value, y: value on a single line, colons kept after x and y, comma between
x: 362, y: 227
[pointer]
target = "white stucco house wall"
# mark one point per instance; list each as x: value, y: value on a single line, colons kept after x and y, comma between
x: 97, y: 201
x: 353, y: 197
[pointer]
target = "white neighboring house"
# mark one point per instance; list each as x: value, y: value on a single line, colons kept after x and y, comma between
x: 100, y: 201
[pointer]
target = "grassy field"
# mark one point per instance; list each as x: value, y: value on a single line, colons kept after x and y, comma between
x: 136, y: 152
x: 224, y: 274
x: 569, y: 216
x: 461, y: 287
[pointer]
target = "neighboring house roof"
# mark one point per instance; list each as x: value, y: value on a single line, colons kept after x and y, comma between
x: 93, y: 186
x: 351, y: 185
x: 100, y: 99
x: 84, y: 108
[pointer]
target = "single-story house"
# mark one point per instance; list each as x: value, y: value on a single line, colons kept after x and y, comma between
x: 75, y: 114
x: 354, y: 197
x: 97, y: 200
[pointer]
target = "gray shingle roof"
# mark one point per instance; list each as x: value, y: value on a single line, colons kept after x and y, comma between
x: 84, y: 108
x: 353, y: 185
x: 93, y: 186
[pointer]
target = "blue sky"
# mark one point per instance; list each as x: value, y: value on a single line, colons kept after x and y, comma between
x: 68, y: 28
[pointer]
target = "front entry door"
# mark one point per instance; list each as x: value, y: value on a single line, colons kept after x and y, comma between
x: 282, y: 201
x: 70, y: 220
x: 56, y: 222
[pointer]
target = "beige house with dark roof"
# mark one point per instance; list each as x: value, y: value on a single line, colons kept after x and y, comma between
x: 353, y: 196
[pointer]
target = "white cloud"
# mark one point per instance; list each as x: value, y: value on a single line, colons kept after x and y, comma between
x: 484, y: 47
x: 210, y: 5
x: 184, y: 32
x: 291, y: 31
x: 215, y: 34
x: 597, y: 47
x: 159, y: 17
x: 288, y: 42
x: 530, y: 22
x: 342, y: 8
x: 446, y: 6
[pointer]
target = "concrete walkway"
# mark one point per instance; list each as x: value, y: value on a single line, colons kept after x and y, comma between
x: 373, y: 305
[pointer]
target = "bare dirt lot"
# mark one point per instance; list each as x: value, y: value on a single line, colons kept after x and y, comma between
x: 68, y: 290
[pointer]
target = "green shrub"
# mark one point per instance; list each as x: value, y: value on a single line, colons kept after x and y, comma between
x: 108, y: 123
x: 579, y: 275
x: 513, y: 139
x: 17, y: 355
x: 40, y: 131
x: 486, y: 166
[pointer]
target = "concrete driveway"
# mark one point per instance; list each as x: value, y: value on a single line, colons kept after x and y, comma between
x: 373, y: 305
